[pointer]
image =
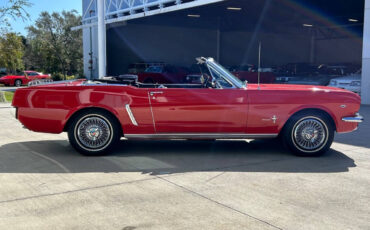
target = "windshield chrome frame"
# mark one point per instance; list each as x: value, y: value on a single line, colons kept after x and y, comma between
x: 225, y: 74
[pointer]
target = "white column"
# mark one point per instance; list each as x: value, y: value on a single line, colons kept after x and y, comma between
x: 365, y: 83
x: 101, y: 38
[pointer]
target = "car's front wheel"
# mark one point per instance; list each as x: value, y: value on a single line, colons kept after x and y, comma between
x: 309, y: 134
x: 18, y: 83
x: 94, y: 133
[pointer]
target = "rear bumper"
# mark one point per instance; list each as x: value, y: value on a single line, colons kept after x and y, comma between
x: 356, y: 119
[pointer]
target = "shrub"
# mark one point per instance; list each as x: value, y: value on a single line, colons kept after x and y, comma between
x: 72, y: 77
x: 57, y: 77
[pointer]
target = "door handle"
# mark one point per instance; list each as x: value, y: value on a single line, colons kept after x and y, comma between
x: 154, y: 93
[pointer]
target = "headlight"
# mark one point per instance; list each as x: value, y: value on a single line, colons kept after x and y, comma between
x: 333, y: 82
x: 355, y: 83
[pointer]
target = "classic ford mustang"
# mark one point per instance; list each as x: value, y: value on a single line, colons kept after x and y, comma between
x: 96, y: 114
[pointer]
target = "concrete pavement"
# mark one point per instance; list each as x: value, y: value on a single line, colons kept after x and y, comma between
x: 9, y: 88
x: 181, y: 184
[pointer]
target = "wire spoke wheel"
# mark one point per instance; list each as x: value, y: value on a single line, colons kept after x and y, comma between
x: 18, y: 83
x: 94, y: 132
x: 310, y: 134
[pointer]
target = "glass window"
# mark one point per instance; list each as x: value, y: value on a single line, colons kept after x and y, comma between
x: 32, y: 74
x: 220, y: 80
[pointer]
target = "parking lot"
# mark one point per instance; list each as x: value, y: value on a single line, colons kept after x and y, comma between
x: 181, y: 184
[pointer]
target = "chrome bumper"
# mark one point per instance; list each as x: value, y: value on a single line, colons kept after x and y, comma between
x: 357, y: 119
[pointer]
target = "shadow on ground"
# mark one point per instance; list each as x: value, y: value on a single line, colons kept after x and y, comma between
x: 167, y: 157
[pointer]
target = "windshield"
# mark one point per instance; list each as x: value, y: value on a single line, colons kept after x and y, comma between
x: 236, y: 81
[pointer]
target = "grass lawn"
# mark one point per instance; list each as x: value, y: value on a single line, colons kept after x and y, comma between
x: 9, y: 96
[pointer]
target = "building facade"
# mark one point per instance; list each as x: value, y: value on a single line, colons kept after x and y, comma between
x: 119, y: 32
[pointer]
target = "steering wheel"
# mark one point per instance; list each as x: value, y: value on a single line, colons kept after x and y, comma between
x: 209, y: 81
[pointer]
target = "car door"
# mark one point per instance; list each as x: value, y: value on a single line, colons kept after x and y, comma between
x: 201, y: 110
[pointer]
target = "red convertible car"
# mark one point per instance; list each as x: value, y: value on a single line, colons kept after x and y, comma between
x: 96, y: 114
x: 23, y: 78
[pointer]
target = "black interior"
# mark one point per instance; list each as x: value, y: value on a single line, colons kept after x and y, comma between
x: 145, y: 85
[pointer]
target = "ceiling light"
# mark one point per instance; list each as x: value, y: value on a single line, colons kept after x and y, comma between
x: 307, y: 25
x: 194, y: 15
x: 234, y: 8
x: 352, y: 20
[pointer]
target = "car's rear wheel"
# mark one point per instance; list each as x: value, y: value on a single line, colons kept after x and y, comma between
x: 94, y: 133
x: 18, y: 83
x: 309, y: 134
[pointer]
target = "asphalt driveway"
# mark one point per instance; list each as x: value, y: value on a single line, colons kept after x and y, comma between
x: 181, y: 184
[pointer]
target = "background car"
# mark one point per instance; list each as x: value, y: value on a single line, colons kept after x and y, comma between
x: 350, y: 82
x: 163, y: 74
x: 251, y: 75
x: 312, y: 80
x: 142, y: 66
x: 310, y: 74
x: 22, y: 78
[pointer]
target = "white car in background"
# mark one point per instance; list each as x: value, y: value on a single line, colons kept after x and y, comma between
x: 351, y: 82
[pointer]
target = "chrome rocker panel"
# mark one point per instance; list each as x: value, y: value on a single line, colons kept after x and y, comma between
x: 199, y: 136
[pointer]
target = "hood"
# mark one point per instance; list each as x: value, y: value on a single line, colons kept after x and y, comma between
x: 10, y: 76
x: 296, y: 87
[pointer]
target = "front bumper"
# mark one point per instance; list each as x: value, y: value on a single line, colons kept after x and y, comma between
x: 356, y: 119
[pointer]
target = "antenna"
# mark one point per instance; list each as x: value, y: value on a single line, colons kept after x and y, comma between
x: 259, y: 64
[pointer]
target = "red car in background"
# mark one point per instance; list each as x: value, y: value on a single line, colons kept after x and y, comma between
x: 22, y: 78
x: 249, y: 73
x: 244, y: 73
x: 163, y: 74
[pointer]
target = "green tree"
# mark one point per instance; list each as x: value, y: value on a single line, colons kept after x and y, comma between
x: 52, y: 45
x: 11, y: 52
x: 15, y: 9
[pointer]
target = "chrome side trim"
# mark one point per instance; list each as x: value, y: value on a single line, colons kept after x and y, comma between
x: 199, y: 136
x: 131, y: 115
x: 357, y: 119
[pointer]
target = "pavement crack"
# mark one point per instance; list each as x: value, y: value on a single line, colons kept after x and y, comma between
x: 60, y: 165
x: 76, y: 190
x: 218, y: 175
x: 219, y: 203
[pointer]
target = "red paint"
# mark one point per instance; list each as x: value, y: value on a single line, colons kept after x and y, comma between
x: 47, y: 108
x: 28, y: 76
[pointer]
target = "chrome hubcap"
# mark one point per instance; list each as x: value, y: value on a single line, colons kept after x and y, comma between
x: 310, y: 134
x: 93, y: 132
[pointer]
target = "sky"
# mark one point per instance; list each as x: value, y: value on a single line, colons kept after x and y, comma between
x: 44, y: 5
